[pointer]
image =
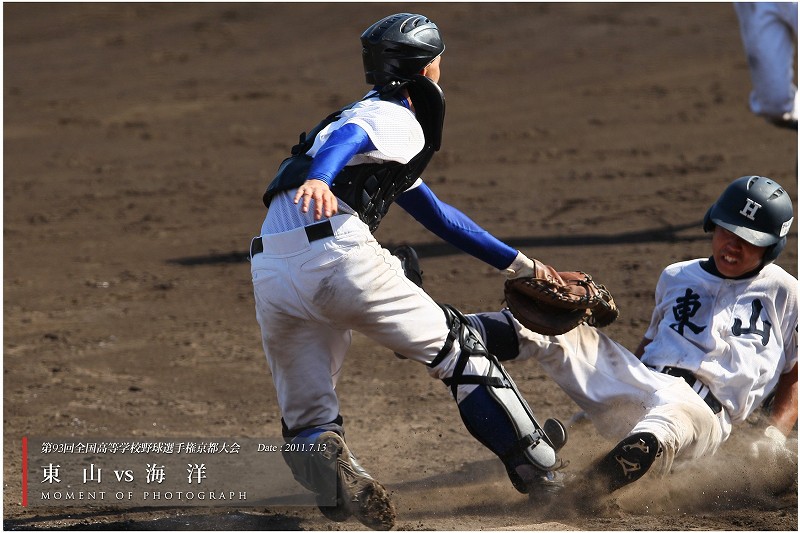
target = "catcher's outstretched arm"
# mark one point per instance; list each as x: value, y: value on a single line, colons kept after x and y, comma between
x: 455, y: 227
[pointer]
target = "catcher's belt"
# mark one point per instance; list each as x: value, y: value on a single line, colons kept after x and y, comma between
x: 698, y: 386
x: 314, y: 232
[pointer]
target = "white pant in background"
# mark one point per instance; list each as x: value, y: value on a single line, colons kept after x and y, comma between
x: 769, y: 35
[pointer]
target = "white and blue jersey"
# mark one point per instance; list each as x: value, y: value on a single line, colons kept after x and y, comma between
x: 378, y: 131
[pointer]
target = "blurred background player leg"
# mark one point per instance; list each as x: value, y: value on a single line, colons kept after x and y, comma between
x: 769, y: 35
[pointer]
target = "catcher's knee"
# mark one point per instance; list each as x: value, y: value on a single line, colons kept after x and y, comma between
x: 495, y: 413
x: 498, y: 332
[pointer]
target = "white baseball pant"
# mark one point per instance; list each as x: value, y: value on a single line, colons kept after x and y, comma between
x: 622, y: 396
x: 309, y: 296
x: 769, y: 34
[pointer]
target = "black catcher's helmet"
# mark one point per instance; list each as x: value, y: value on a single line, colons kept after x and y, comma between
x: 399, y: 46
x: 758, y: 210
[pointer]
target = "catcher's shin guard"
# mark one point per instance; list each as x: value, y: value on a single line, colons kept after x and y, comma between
x: 497, y: 415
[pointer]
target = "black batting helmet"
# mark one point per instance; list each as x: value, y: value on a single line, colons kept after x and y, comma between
x: 399, y: 46
x: 758, y: 210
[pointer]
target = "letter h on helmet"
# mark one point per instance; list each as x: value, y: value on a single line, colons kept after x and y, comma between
x: 399, y: 46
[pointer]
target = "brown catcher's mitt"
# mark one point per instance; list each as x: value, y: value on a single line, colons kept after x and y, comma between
x: 550, y: 308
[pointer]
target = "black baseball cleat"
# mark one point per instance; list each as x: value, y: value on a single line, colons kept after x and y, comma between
x: 358, y: 494
x: 410, y: 261
x: 785, y: 122
x: 628, y: 461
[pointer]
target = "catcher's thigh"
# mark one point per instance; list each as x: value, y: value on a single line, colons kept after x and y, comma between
x: 305, y: 357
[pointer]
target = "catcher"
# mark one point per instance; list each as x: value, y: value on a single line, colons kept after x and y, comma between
x: 319, y: 273
x: 722, y: 339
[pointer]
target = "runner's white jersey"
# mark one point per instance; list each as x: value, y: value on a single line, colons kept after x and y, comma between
x: 737, y: 336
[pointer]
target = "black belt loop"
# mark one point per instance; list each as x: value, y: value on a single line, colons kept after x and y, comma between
x: 318, y: 231
x: 691, y: 379
x: 256, y: 247
x: 314, y: 232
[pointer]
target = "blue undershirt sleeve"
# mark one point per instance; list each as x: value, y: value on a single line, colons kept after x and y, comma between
x: 340, y: 148
x: 455, y: 227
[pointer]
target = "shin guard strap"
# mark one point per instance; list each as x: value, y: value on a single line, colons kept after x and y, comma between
x: 452, y: 335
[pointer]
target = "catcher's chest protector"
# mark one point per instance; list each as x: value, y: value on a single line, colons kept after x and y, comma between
x: 370, y: 189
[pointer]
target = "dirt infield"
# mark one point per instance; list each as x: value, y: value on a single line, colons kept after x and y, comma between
x: 138, y: 139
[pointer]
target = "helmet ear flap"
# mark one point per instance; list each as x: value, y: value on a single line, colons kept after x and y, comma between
x: 772, y: 252
x: 708, y: 224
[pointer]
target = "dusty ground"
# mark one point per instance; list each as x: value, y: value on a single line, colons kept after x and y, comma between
x: 138, y: 139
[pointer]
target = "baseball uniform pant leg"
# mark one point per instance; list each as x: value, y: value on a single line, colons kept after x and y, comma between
x: 304, y: 355
x: 621, y: 395
x: 310, y: 295
x: 684, y: 425
x: 769, y: 32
